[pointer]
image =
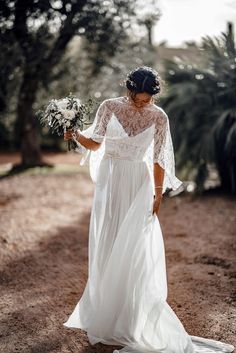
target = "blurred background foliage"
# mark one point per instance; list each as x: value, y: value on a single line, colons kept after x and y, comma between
x: 53, y: 47
x: 202, y: 101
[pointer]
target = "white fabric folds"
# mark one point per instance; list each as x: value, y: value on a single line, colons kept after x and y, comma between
x: 124, y: 302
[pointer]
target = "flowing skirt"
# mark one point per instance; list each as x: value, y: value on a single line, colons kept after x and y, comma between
x: 124, y: 300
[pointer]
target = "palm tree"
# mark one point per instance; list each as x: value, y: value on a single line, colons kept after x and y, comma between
x: 202, y: 101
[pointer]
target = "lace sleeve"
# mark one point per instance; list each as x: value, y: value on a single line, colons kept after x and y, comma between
x: 96, y: 132
x: 163, y: 152
x: 100, y: 122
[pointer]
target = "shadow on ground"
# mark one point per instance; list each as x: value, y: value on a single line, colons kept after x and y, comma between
x: 46, y: 284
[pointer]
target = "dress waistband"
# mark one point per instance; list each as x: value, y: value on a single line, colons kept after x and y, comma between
x: 108, y: 155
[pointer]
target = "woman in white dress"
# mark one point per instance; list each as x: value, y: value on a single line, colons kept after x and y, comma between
x: 130, y: 155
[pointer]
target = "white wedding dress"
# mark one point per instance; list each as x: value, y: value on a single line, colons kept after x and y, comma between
x: 124, y: 301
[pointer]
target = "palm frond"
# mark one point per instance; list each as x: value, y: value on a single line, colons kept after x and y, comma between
x: 202, y: 105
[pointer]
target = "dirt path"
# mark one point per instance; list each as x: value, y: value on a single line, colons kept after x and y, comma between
x: 44, y: 235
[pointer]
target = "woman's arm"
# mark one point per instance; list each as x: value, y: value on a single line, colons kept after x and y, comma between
x: 84, y: 141
x: 158, y: 173
x: 94, y: 141
x: 159, y: 157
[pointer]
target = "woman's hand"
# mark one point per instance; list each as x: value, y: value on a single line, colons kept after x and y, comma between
x: 68, y: 135
x: 156, y: 204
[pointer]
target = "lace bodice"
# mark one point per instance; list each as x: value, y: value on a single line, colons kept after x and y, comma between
x: 127, y: 132
x: 120, y: 121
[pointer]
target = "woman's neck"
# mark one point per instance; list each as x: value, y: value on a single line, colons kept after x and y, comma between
x: 132, y: 103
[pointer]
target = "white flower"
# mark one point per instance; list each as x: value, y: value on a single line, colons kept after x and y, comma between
x: 62, y: 103
x: 68, y: 114
x: 67, y: 124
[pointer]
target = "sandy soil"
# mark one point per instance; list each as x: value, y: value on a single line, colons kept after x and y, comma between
x: 44, y: 235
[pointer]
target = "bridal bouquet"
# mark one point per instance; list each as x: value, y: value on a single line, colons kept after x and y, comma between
x: 66, y: 114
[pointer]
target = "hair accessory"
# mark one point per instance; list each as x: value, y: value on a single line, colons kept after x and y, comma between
x: 132, y: 83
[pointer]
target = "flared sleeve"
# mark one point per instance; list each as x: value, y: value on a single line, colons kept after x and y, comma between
x: 96, y: 132
x: 163, y: 151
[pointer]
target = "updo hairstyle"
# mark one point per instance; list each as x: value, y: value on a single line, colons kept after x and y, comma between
x: 143, y: 79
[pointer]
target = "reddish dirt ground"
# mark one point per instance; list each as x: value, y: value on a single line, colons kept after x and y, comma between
x: 44, y: 237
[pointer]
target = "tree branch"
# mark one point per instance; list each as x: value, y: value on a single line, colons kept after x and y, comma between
x: 66, y: 34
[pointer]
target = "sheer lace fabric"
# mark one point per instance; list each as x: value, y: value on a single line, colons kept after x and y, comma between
x: 130, y: 133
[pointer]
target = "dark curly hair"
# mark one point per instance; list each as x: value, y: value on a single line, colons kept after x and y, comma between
x: 143, y: 79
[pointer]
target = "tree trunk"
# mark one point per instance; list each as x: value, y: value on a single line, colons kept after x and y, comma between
x: 26, y: 133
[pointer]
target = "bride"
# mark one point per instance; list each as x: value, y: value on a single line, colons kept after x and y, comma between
x: 130, y: 155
